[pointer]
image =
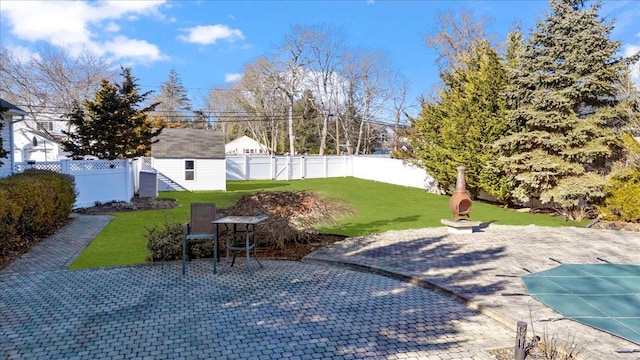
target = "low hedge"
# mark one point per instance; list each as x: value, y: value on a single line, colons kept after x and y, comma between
x: 33, y: 205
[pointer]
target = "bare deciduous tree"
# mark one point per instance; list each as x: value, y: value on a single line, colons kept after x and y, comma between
x: 286, y: 72
x: 398, y: 87
x: 255, y: 102
x: 369, y: 78
x: 454, y: 37
x: 327, y: 51
x: 48, y: 82
x: 316, y: 73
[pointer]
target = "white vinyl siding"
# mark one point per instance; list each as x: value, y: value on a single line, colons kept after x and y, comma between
x: 5, y: 134
x: 209, y: 174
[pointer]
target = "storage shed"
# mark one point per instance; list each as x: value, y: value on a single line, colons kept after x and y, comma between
x: 190, y: 159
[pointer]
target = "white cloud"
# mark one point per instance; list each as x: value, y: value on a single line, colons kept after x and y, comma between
x: 124, y: 48
x: 112, y: 27
x: 210, y: 34
x: 55, y: 22
x: 22, y: 54
x: 71, y: 25
x: 629, y: 50
x: 232, y: 77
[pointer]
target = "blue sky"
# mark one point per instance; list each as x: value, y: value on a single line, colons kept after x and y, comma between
x: 207, y: 42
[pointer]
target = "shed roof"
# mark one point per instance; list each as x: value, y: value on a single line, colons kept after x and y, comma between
x: 189, y: 144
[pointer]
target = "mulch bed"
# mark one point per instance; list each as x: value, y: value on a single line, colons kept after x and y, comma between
x: 137, y: 203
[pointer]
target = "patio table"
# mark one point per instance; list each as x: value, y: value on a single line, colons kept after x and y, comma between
x: 240, y: 228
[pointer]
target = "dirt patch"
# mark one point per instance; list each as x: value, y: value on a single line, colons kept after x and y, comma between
x: 616, y: 225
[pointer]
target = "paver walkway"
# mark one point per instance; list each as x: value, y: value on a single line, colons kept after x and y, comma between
x: 293, y: 310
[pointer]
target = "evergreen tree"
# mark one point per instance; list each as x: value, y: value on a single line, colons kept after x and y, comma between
x: 563, y: 93
x: 493, y: 178
x: 305, y: 126
x: 115, y: 125
x: 174, y: 104
x: 458, y: 129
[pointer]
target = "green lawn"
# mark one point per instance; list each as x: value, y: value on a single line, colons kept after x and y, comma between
x: 379, y: 207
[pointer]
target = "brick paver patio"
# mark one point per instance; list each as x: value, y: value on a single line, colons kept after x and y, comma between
x: 294, y: 310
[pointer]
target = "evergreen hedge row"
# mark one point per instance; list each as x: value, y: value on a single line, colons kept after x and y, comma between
x: 33, y: 205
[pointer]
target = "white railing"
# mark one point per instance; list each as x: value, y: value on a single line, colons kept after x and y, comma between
x: 392, y: 171
x: 96, y: 180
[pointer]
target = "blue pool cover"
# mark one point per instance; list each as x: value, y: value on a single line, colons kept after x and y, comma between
x: 603, y: 296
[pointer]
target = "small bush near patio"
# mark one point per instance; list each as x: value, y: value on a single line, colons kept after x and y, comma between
x: 292, y: 220
x: 165, y: 243
x: 33, y: 205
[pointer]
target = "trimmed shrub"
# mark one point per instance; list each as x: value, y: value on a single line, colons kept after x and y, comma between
x: 165, y: 243
x: 622, y: 202
x: 33, y: 204
x: 46, y: 199
x: 10, y: 241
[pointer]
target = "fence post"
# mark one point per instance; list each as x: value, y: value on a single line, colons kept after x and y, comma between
x: 129, y: 175
x: 65, y: 167
x: 303, y: 167
x: 273, y: 167
x: 326, y: 165
x: 521, y: 338
x: 245, y: 167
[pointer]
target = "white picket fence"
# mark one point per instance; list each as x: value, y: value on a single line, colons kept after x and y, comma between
x: 118, y: 180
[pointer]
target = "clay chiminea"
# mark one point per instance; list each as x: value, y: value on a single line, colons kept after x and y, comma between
x: 460, y: 202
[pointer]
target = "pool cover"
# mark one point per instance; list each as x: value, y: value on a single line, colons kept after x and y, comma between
x: 603, y: 296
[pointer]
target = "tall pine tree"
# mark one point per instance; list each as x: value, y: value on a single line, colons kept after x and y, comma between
x: 115, y: 125
x: 174, y: 105
x: 458, y: 129
x: 564, y: 93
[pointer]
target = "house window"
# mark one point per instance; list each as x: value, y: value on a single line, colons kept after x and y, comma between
x: 45, y: 125
x: 190, y: 170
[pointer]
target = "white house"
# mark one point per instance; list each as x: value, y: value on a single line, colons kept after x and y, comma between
x: 245, y: 145
x: 35, y: 137
x: 31, y: 145
x: 10, y: 116
x: 190, y: 159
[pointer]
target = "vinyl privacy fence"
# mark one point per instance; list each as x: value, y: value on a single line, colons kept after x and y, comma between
x: 118, y: 180
x: 96, y: 180
x: 392, y: 171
